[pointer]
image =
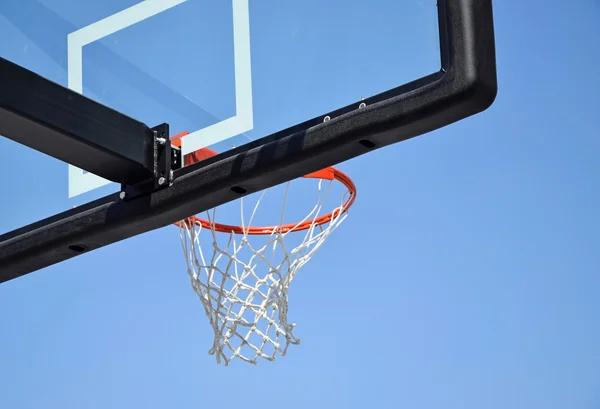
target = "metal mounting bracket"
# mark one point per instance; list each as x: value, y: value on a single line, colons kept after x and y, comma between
x: 166, y: 157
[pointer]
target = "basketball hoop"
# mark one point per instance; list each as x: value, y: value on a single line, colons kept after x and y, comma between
x: 244, y: 294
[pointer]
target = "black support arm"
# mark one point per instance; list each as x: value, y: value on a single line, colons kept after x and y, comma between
x: 68, y: 126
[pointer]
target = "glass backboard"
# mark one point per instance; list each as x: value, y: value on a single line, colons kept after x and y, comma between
x: 226, y: 71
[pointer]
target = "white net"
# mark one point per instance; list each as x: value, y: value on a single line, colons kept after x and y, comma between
x: 243, y: 280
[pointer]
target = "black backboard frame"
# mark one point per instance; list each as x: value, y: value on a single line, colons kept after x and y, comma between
x: 465, y: 85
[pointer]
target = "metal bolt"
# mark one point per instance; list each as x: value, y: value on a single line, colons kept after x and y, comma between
x: 327, y: 118
x: 122, y: 195
x: 362, y: 105
x: 161, y: 181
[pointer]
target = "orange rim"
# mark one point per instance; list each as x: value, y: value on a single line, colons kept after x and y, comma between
x: 329, y: 173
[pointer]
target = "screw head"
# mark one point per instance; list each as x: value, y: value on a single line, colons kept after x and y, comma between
x: 122, y: 195
x: 161, y: 181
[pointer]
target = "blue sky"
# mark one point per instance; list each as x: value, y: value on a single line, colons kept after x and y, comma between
x: 467, y: 275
